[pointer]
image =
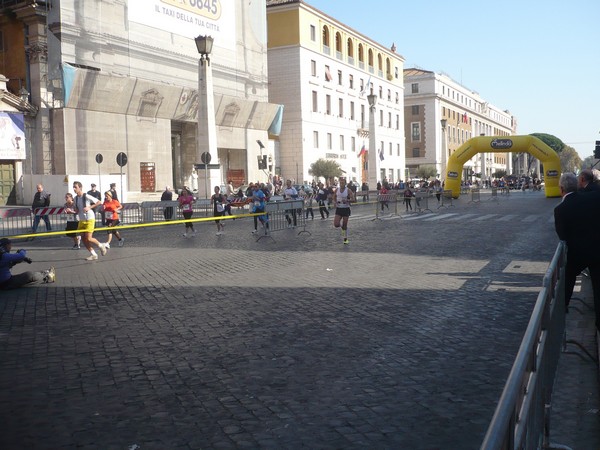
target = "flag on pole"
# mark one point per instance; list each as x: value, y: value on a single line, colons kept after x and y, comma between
x: 363, y: 150
x: 366, y: 87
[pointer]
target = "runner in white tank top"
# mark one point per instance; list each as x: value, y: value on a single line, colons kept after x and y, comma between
x: 342, y: 199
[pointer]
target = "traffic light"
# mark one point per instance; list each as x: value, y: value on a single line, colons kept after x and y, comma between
x: 597, y: 150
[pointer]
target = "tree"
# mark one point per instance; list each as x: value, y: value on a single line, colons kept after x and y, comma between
x: 499, y: 173
x: 551, y: 141
x: 426, y: 171
x: 588, y: 162
x: 325, y: 168
x: 569, y: 159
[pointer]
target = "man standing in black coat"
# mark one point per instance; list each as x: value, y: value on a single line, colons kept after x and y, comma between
x: 576, y: 220
x: 585, y: 181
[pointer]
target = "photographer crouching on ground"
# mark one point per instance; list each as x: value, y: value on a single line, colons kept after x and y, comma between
x: 8, y: 260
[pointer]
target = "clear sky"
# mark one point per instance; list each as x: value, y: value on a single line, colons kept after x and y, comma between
x: 538, y: 59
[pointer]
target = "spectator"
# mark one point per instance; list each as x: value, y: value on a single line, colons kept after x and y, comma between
x: 167, y: 196
x: 41, y: 199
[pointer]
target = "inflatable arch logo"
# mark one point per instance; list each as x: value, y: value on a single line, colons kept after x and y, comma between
x: 504, y: 144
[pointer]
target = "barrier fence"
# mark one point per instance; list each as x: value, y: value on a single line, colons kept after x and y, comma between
x: 521, y: 419
x: 285, y: 214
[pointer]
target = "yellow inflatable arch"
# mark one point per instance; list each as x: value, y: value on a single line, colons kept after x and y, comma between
x: 504, y: 144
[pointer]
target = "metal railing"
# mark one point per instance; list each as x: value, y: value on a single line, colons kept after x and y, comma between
x: 521, y: 417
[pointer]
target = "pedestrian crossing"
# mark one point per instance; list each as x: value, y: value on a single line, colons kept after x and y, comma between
x: 455, y: 217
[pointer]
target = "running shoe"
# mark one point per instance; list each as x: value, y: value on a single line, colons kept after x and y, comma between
x: 50, y: 276
x: 184, y: 235
x: 92, y: 258
x: 102, y: 249
x: 107, y: 245
x: 121, y: 242
x: 346, y: 241
x: 76, y: 247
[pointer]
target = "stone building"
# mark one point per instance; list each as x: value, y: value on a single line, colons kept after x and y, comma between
x: 121, y: 76
x: 441, y: 115
x: 323, y: 71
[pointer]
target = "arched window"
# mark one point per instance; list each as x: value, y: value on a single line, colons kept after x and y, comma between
x: 388, y: 69
x: 370, y: 61
x: 338, y: 46
x: 350, y: 51
x: 326, y: 39
x: 361, y: 56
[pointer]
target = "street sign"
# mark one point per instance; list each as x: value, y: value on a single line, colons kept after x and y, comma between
x: 99, y: 158
x: 121, y: 159
x: 205, y: 158
x: 207, y: 166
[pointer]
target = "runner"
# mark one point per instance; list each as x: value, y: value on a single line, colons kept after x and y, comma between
x: 219, y: 201
x: 186, y: 202
x: 84, y: 205
x: 342, y: 198
x: 112, y: 207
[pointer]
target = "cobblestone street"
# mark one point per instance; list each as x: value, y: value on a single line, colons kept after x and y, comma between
x: 402, y: 339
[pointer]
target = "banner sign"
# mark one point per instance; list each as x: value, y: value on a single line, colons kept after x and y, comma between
x: 189, y: 18
x: 12, y: 136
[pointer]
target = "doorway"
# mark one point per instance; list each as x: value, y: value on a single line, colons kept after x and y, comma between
x: 148, y: 176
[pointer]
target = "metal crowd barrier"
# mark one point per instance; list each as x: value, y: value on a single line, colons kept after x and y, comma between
x: 521, y: 419
x: 422, y: 201
x: 475, y: 196
x: 384, y: 201
x: 445, y: 199
x: 278, y: 213
x: 494, y: 196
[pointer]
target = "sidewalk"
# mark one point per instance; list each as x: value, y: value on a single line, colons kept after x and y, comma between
x: 575, y: 417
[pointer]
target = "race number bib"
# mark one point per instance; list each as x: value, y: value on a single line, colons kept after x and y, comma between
x: 108, y: 215
x: 187, y: 207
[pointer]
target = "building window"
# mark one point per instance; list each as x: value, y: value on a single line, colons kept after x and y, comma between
x: 351, y: 110
x: 415, y: 110
x: 380, y: 92
x: 313, y: 68
x: 327, y: 73
x: 341, y: 107
x: 329, y: 141
x: 397, y: 98
x: 340, y: 81
x: 391, y: 147
x: 389, y: 95
x: 341, y: 143
x: 416, y: 152
x: 390, y: 120
x: 397, y: 149
x: 315, y: 139
x: 351, y: 81
x: 313, y: 33
x: 328, y: 104
x: 414, y: 87
x: 415, y: 132
x: 315, y: 102
x: 353, y: 144
x: 397, y: 121
x: 381, y: 117
x: 326, y: 40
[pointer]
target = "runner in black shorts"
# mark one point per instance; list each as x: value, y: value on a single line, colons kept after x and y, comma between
x: 342, y: 199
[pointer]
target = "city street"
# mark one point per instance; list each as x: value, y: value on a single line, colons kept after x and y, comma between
x: 402, y: 339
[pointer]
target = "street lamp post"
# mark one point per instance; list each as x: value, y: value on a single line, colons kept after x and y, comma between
x: 373, y: 156
x: 444, y: 122
x: 206, y: 141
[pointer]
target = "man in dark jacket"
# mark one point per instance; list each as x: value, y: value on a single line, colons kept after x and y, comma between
x: 576, y: 221
x: 167, y: 196
x: 41, y: 199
